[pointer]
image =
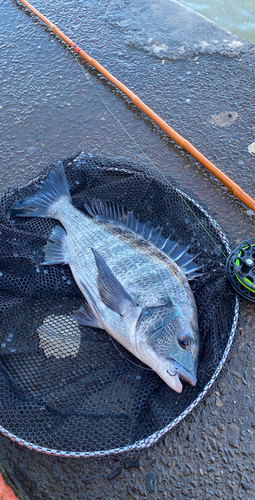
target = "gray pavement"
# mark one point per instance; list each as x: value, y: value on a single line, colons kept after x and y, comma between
x: 200, y: 79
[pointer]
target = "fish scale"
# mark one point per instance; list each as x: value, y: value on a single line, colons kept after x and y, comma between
x: 127, y: 264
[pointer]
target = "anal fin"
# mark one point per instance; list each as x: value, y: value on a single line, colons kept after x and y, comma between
x: 85, y: 316
x: 55, y: 250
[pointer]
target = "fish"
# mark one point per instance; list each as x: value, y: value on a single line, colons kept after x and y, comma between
x: 135, y: 281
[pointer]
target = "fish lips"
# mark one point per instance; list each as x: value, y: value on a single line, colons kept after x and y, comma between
x: 178, y: 370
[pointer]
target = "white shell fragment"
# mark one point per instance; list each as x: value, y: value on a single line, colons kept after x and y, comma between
x: 251, y: 148
x: 224, y: 119
x: 59, y: 336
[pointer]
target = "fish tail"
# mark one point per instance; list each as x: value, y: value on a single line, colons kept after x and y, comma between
x: 43, y: 203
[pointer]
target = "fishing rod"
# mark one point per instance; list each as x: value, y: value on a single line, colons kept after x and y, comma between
x: 241, y: 263
x: 223, y: 178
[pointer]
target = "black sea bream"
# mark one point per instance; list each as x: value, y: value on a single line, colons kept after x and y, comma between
x: 133, y: 289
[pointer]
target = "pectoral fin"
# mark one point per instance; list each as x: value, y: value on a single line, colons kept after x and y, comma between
x: 112, y: 293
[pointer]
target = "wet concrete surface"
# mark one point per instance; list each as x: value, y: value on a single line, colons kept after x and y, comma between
x: 50, y: 110
x: 169, y: 30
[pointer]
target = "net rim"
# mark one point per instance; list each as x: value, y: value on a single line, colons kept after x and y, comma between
x: 153, y: 438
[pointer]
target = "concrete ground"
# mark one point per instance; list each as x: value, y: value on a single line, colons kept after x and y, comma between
x: 200, y: 79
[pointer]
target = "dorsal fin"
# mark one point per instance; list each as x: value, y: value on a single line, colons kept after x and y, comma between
x: 113, y: 212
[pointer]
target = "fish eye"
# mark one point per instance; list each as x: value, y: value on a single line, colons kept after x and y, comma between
x: 184, y: 341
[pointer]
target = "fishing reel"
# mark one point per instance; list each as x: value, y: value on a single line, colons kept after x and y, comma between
x: 241, y: 269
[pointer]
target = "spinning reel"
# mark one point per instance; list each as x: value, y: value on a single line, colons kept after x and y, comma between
x: 241, y: 269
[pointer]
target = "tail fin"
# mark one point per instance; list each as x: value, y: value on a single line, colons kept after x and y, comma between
x: 41, y: 204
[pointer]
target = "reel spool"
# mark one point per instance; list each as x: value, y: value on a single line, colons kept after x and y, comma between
x: 241, y: 269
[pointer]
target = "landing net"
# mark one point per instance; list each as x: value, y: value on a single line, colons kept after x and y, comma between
x: 68, y: 389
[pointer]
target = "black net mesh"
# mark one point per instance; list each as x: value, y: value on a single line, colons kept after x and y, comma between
x: 71, y: 388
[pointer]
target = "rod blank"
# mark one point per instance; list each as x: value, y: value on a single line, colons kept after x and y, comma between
x: 223, y: 178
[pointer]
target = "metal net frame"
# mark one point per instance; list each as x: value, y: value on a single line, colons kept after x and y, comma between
x: 70, y: 390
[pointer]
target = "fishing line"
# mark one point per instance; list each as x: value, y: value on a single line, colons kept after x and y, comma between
x: 129, y: 360
x: 226, y: 181
x: 142, y: 151
x: 186, y: 145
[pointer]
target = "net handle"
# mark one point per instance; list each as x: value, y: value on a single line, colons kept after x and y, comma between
x: 234, y: 188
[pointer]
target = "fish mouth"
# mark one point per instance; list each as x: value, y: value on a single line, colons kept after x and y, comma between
x: 177, y: 370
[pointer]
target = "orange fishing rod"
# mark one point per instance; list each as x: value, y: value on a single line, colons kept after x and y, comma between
x: 231, y: 185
